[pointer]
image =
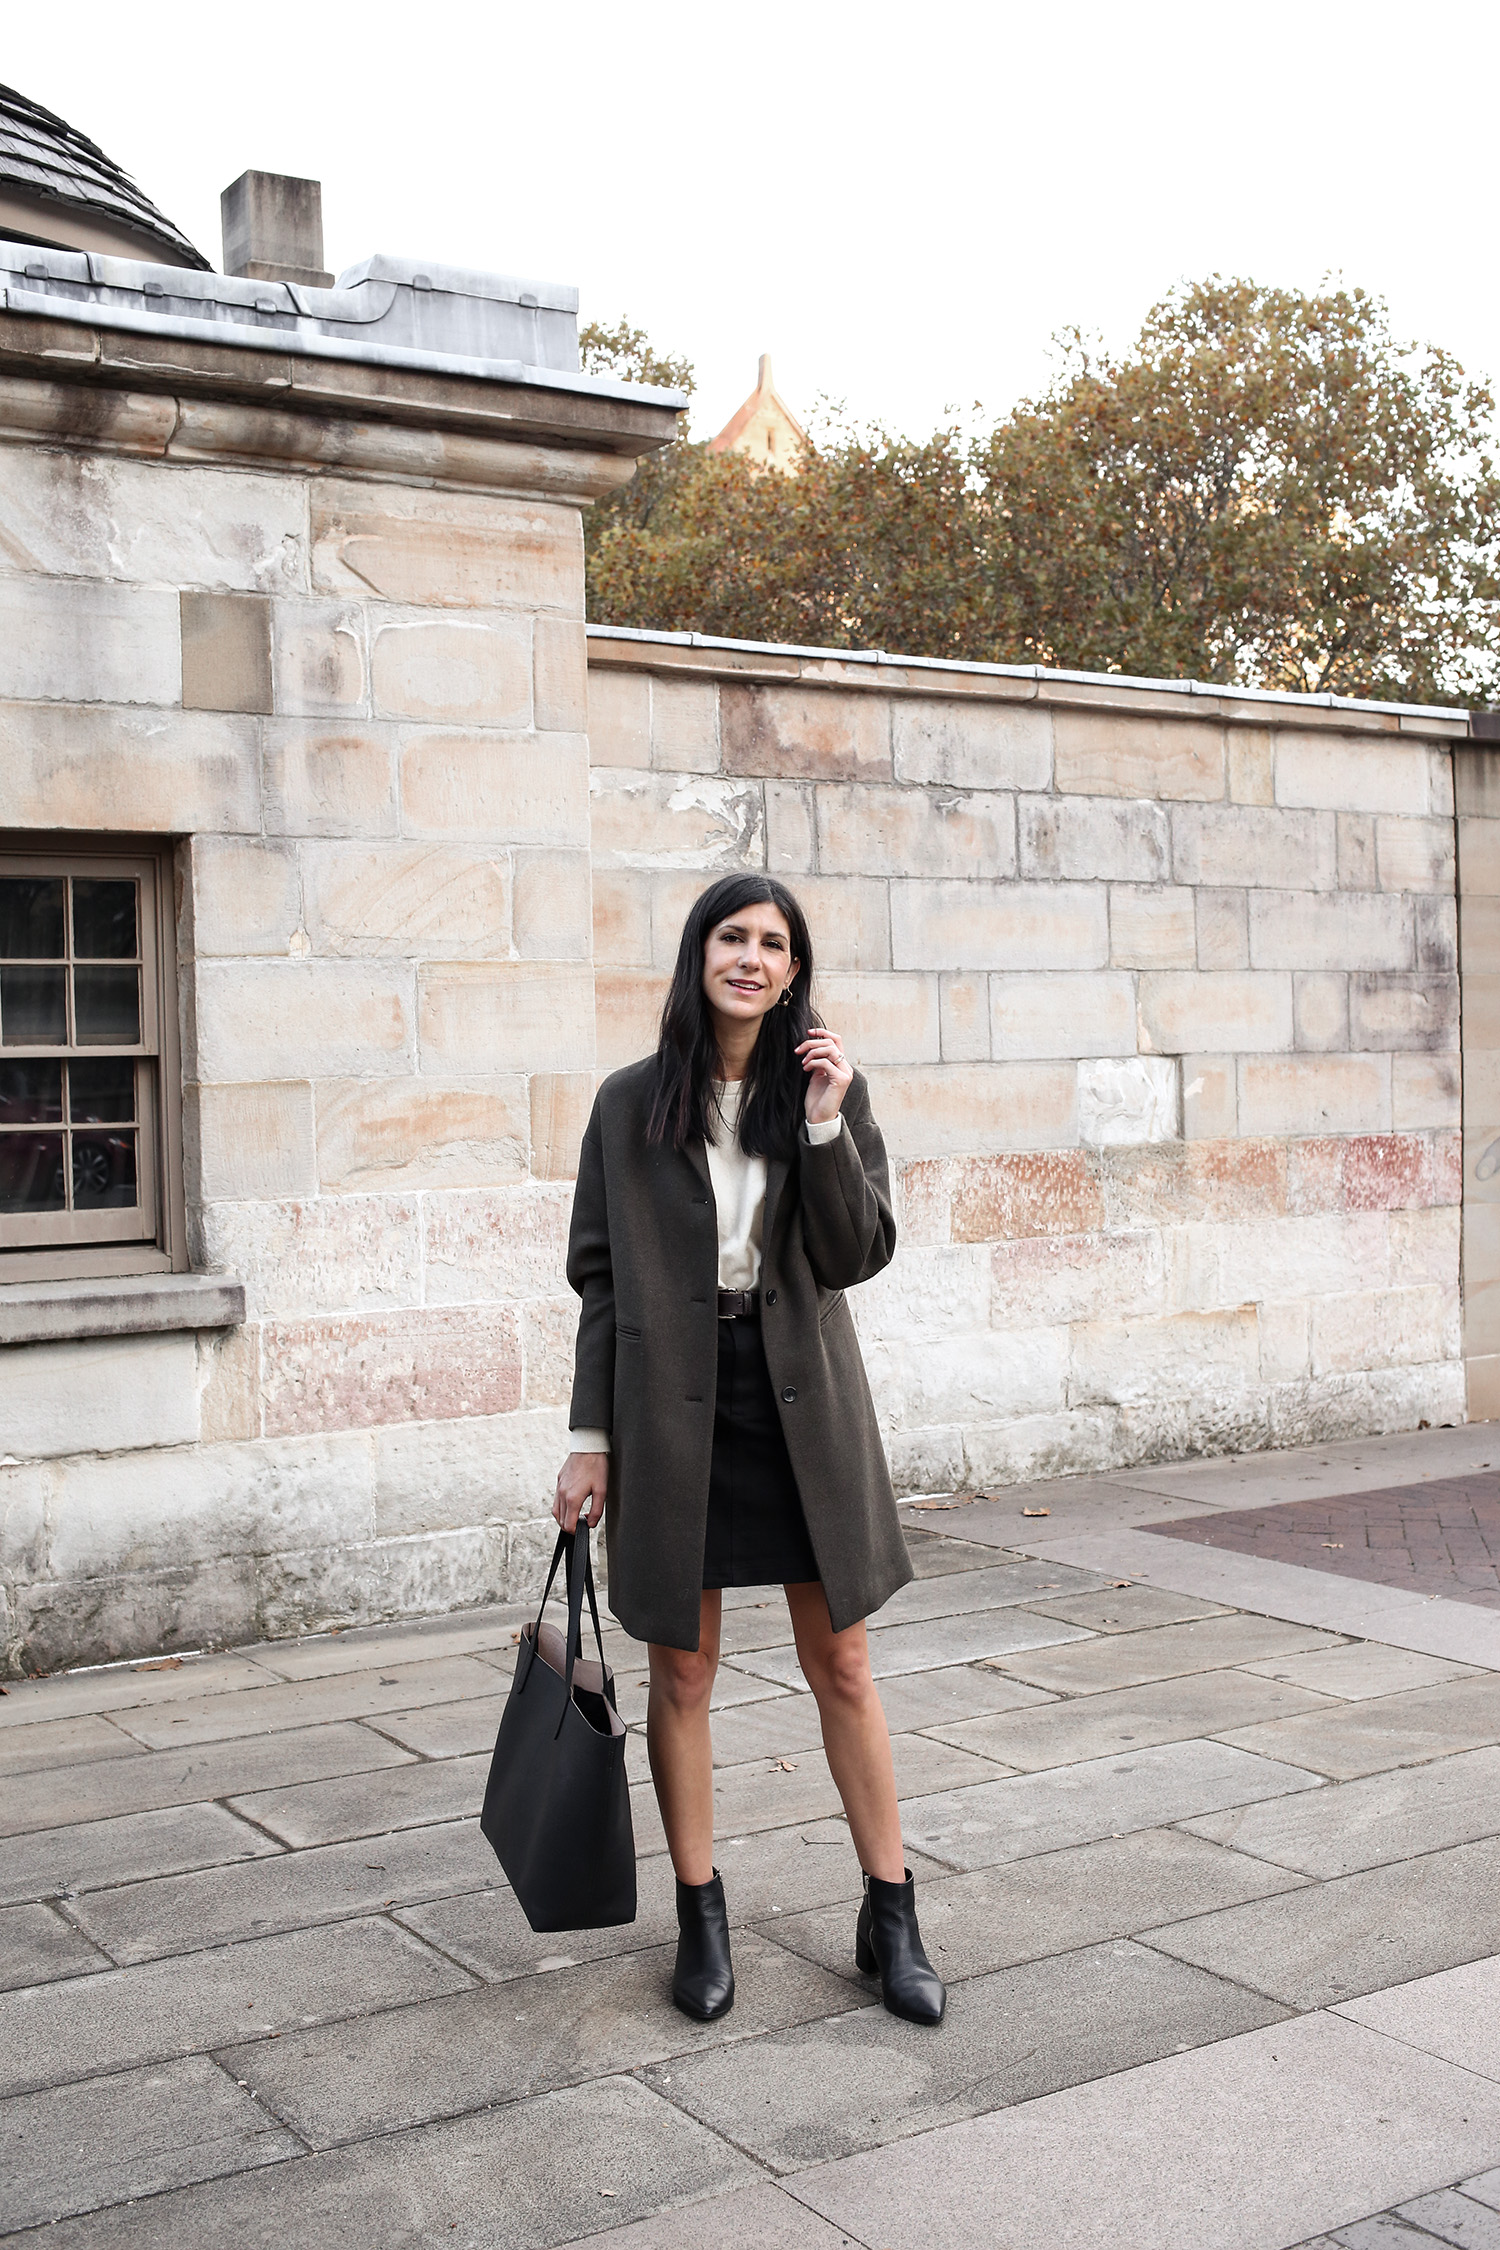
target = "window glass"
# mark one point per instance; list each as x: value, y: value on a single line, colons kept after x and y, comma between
x: 103, y: 1171
x: 107, y: 1007
x: 31, y: 918
x: 32, y: 1177
x: 33, y: 1006
x: 101, y: 1093
x: 103, y: 920
x: 31, y: 1092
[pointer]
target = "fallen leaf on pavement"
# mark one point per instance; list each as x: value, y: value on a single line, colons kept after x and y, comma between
x: 1036, y: 1511
x: 162, y: 1664
x: 786, y: 1765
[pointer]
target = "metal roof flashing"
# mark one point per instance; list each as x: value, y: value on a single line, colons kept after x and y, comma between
x: 397, y: 312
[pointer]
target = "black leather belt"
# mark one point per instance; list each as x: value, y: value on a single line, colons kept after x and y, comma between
x: 739, y: 1304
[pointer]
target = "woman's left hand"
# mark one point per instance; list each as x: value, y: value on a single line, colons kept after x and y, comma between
x: 828, y: 1075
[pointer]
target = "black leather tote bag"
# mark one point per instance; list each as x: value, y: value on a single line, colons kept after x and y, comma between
x: 557, y: 1807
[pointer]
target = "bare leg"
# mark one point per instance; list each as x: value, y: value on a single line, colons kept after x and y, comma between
x: 855, y: 1735
x: 680, y: 1748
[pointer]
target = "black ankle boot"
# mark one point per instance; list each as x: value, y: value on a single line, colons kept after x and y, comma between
x: 887, y: 1942
x: 703, y: 1981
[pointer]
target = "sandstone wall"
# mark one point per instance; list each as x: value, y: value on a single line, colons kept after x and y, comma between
x: 1157, y: 994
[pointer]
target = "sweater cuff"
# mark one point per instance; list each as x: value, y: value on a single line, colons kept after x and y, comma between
x: 588, y: 1441
x: 829, y: 1130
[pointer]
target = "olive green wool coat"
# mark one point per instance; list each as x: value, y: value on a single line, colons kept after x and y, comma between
x: 644, y: 1257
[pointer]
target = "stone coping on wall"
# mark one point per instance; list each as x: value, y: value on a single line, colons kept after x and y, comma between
x: 51, y: 1312
x: 704, y: 656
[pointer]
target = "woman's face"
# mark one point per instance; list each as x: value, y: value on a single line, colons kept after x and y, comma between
x: 748, y: 963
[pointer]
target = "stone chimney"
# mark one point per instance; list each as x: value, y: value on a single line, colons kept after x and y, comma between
x: 273, y: 229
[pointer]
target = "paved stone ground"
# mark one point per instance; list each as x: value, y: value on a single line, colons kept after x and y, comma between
x: 1215, y: 1891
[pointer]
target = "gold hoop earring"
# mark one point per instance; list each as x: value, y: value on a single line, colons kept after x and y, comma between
x: 786, y: 996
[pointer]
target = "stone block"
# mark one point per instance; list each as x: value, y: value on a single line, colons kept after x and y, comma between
x: 1352, y: 773
x: 95, y: 515
x: 940, y: 1290
x: 1080, y: 839
x: 329, y: 781
x: 921, y: 1383
x: 559, y: 676
x: 622, y: 917
x: 82, y: 640
x: 1247, y: 846
x: 444, y: 1476
x: 1003, y: 1198
x: 976, y: 1108
x: 1320, y: 1010
x: 552, y: 917
x: 1425, y: 1245
x: 791, y: 833
x: 1223, y: 930
x: 1315, y: 1094
x: 1228, y: 1266
x: 882, y: 1019
x: 675, y: 821
x: 549, y: 1329
x: 1284, y: 1341
x: 969, y: 925
x: 1479, y: 856
x: 1051, y: 1280
x: 388, y: 1579
x: 1125, y: 1102
x: 964, y: 1012
x: 226, y: 652
x: 246, y: 897
x: 684, y: 726
x: 629, y: 1015
x: 1415, y: 1012
x: 1210, y: 1109
x: 1215, y: 1181
x: 1435, y: 925
x: 619, y: 724
x: 798, y: 733
x: 1111, y: 754
x: 1425, y: 1090
x: 560, y: 1106
x: 228, y: 1384
x: 971, y: 744
x: 1061, y: 1014
x: 318, y: 659
x: 460, y: 672
x: 430, y: 1364
x: 445, y: 550
x: 1342, y: 930
x: 407, y: 899
x: 1151, y: 928
x: 477, y: 788
x: 107, y: 1395
x: 1251, y: 766
x: 1121, y: 1362
x: 500, y: 1244
x: 40, y: 1948
x: 1416, y: 855
x: 130, y: 772
x: 321, y: 1254
x: 1382, y: 1328
x: 866, y: 830
x: 849, y: 917
x: 398, y: 1135
x: 243, y: 1143
x: 1356, y: 852
x: 1184, y: 1012
x: 305, y: 1019
x: 521, y: 1015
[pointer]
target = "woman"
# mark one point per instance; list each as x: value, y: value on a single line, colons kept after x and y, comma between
x: 730, y: 1188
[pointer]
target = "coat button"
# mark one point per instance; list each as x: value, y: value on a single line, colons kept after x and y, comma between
x: 789, y: 1394
x: 770, y: 1296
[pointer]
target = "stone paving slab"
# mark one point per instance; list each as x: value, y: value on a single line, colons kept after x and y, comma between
x: 326, y: 1883
x: 369, y: 1804
x: 1002, y: 1586
x: 1162, y: 1653
x: 1119, y: 1719
x: 1334, y: 1941
x: 37, y: 1945
x: 952, y: 1692
x: 763, y: 1794
x: 1125, y: 1609
x: 926, y: 1646
x: 266, y: 1986
x: 1064, y: 1504
x: 1366, y: 1669
x: 134, y: 2134
x: 1455, y: 2016
x: 1026, y: 1910
x: 1235, y: 1480
x: 412, y: 2065
x: 828, y: 2089
x: 525, y: 2176
x: 935, y: 1553
x: 56, y: 1862
x: 370, y: 1647
x: 152, y: 1779
x: 445, y: 1730
x: 1390, y: 1730
x: 1205, y: 2151
x: 302, y: 1703
x: 763, y: 2217
x: 1451, y: 2217
x: 1042, y: 1812
x: 1370, y: 1823
x: 50, y: 1745
x: 128, y: 1687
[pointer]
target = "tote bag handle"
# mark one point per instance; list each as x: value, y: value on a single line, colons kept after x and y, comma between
x: 578, y: 1581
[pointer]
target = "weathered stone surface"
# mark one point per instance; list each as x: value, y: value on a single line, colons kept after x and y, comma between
x: 1315, y: 1094
x: 1270, y: 848
x: 328, y: 780
x: 1335, y: 930
x: 1112, y: 755
x: 423, y: 1365
x: 685, y: 726
x: 1002, y: 1197
x: 511, y: 789
x: 407, y: 899
x: 619, y: 717
x: 1082, y: 840
x: 560, y: 1105
x: 320, y: 659
x: 250, y: 1141
x: 824, y: 736
x: 882, y: 1019
x: 1062, y: 1015
x: 559, y: 664
x: 70, y: 766
x: 401, y: 1134
x: 527, y: 1015
x: 442, y: 549
x: 487, y: 1244
x: 97, y: 515
x: 319, y: 1254
x: 1188, y: 1013
x: 976, y: 1108
x: 1128, y: 1101
x: 971, y: 744
x: 273, y: 1020
x: 105, y: 1395
x: 80, y: 640
x: 962, y: 925
x: 656, y: 820
x: 470, y: 673
x: 866, y: 830
x: 1151, y: 927
x: 1352, y: 774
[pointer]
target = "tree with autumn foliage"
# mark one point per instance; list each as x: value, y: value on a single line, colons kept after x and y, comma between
x: 1268, y: 488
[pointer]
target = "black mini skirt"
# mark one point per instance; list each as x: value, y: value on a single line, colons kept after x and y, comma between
x: 757, y: 1533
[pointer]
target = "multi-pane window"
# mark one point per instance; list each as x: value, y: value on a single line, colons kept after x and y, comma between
x: 81, y: 1138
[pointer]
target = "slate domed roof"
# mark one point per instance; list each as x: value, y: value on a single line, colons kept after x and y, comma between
x: 58, y: 188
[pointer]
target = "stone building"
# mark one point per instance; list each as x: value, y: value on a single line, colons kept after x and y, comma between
x: 764, y: 429
x: 337, y: 859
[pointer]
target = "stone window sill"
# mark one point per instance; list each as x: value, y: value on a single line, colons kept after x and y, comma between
x: 53, y: 1312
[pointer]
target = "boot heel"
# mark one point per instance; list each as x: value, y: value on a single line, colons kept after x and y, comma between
x: 864, y: 1955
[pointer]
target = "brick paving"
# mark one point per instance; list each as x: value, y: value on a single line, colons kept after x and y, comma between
x: 1437, y: 1537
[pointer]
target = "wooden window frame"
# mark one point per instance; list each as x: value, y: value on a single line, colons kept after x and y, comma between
x: 153, y: 1237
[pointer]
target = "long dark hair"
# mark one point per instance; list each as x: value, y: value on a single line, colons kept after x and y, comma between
x: 687, y: 1057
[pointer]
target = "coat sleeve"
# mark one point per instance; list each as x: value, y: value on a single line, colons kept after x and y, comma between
x: 848, y: 1227
x: 591, y: 1273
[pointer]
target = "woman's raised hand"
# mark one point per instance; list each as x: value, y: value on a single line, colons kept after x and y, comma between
x: 828, y: 1075
x: 582, y: 1482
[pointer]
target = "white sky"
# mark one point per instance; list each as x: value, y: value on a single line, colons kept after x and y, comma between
x: 901, y: 203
